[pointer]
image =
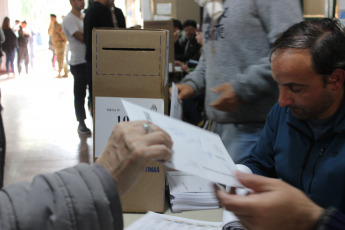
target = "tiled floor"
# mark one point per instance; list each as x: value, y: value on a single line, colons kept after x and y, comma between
x: 40, y: 123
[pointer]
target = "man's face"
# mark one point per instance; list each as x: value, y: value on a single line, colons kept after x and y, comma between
x: 301, y: 88
x: 190, y: 32
x: 78, y: 4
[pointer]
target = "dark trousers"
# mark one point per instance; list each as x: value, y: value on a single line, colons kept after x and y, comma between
x: 80, y: 86
x: 23, y: 54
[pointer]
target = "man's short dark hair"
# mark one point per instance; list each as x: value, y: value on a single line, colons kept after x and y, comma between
x: 53, y: 15
x: 177, y: 24
x: 189, y: 23
x: 323, y: 37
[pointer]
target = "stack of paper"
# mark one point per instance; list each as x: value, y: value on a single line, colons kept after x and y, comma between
x: 154, y: 221
x: 188, y: 192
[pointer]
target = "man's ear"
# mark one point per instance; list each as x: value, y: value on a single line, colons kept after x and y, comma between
x: 337, y: 79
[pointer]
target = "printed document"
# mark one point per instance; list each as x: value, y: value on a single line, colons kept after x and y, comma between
x: 195, y: 150
x: 154, y: 221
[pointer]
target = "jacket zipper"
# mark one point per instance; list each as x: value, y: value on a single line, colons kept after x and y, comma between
x: 314, y: 167
x: 306, y: 158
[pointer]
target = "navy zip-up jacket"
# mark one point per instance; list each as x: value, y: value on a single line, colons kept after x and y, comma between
x: 287, y: 150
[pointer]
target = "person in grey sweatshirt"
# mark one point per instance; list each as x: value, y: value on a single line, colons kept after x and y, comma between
x: 234, y: 70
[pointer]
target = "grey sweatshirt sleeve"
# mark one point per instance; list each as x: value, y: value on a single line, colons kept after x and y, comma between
x: 196, y: 78
x: 276, y: 16
x: 73, y: 198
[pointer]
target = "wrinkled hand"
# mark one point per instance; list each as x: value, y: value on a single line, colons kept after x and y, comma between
x: 184, y: 91
x: 130, y: 148
x: 273, y: 205
x: 228, y: 100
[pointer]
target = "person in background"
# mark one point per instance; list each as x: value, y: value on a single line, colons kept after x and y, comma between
x: 273, y: 204
x: 86, y: 197
x: 2, y: 40
x: 59, y: 41
x: 23, y: 52
x: 97, y: 15
x: 9, y: 46
x: 73, y: 28
x: 178, y: 37
x: 119, y: 20
x: 50, y: 33
x: 234, y: 70
x: 190, y: 47
x: 16, y: 26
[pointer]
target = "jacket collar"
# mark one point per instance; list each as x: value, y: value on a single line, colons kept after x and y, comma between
x: 301, y: 125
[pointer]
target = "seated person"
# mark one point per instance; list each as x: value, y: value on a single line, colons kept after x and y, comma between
x: 302, y: 142
x: 190, y: 48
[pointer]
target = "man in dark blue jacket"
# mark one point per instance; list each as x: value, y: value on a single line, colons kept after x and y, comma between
x: 303, y: 141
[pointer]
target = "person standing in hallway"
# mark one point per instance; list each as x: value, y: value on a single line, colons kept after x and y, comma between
x: 119, y: 20
x: 10, y: 45
x: 97, y: 15
x: 2, y: 40
x: 234, y: 70
x: 59, y: 44
x: 73, y: 28
x: 23, y: 52
x: 50, y: 32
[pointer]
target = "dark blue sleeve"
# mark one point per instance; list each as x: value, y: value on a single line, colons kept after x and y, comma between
x: 331, y: 219
x: 261, y: 159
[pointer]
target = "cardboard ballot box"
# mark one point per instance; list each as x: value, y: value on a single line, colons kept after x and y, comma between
x: 130, y: 65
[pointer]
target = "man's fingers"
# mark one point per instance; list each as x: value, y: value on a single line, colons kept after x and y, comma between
x: 255, y: 182
x: 241, y: 205
x: 220, y: 88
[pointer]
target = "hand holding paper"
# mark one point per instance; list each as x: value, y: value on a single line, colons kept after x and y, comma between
x: 196, y: 151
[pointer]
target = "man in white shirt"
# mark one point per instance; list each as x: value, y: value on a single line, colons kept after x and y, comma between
x: 73, y: 27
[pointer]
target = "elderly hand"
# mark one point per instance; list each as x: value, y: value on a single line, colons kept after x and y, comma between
x: 228, y: 100
x: 273, y: 205
x: 129, y: 148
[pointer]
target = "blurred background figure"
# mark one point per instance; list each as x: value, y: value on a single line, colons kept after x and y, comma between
x: 32, y: 48
x: 50, y: 32
x: 98, y: 14
x: 189, y: 49
x: 119, y: 20
x: 73, y: 27
x: 59, y: 40
x: 23, y: 52
x: 2, y: 40
x: 178, y: 37
x: 9, y: 46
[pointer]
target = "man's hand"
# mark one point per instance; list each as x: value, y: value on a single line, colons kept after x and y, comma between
x: 273, y: 204
x: 184, y: 91
x: 228, y: 100
x: 130, y: 148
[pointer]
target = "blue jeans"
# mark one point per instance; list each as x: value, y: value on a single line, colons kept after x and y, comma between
x: 10, y: 60
x: 239, y: 139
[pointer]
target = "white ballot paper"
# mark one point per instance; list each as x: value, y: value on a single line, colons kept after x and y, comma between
x: 154, y: 221
x: 176, y: 104
x: 195, y: 150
